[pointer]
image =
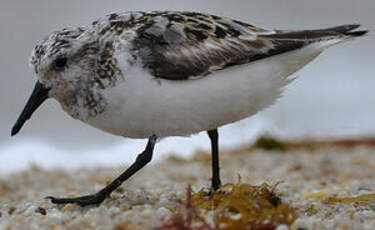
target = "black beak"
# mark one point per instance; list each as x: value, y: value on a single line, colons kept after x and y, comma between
x: 38, y: 96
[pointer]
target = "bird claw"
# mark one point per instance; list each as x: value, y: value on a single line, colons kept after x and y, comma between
x: 82, y: 201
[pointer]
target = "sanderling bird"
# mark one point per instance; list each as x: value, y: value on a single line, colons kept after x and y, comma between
x: 159, y: 74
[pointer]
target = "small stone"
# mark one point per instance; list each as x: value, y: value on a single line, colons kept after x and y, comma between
x: 125, y: 207
x: 41, y: 211
x: 146, y: 213
x: 163, y: 211
x: 237, y: 216
x: 11, y: 210
x: 282, y: 227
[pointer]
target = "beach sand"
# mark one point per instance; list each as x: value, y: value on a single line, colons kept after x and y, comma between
x: 325, y: 186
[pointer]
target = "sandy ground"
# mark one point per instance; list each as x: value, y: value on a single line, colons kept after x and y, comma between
x: 329, y: 187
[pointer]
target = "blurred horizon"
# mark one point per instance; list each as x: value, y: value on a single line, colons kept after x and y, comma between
x: 331, y: 97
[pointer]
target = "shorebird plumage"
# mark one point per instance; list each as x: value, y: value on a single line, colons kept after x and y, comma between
x: 159, y: 74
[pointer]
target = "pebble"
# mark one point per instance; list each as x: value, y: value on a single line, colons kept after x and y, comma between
x: 282, y: 227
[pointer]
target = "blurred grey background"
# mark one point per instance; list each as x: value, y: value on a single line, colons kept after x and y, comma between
x: 333, y: 96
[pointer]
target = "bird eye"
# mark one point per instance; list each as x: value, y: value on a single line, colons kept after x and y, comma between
x: 60, y: 63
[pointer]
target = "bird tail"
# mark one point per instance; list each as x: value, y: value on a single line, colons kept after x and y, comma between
x: 293, y: 39
x: 342, y: 32
x: 346, y: 30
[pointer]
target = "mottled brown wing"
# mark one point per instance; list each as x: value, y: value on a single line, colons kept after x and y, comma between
x: 185, y: 45
x: 180, y: 46
x: 197, y: 59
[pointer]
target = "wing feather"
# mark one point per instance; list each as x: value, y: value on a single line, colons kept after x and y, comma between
x: 186, y: 45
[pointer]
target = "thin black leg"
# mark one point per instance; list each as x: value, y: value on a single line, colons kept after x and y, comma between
x: 214, y: 136
x: 142, y: 159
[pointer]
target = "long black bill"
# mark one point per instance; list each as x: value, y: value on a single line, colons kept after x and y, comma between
x: 38, y: 96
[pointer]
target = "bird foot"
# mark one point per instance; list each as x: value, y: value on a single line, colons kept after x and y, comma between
x: 82, y: 201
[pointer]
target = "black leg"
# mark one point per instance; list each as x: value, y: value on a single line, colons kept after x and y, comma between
x: 142, y: 159
x: 214, y: 136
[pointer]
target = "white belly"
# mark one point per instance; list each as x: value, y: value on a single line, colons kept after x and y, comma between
x: 142, y: 105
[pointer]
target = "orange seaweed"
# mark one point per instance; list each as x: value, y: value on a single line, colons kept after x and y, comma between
x: 240, y: 206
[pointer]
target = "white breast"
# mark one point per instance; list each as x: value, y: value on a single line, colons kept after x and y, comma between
x: 142, y: 105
